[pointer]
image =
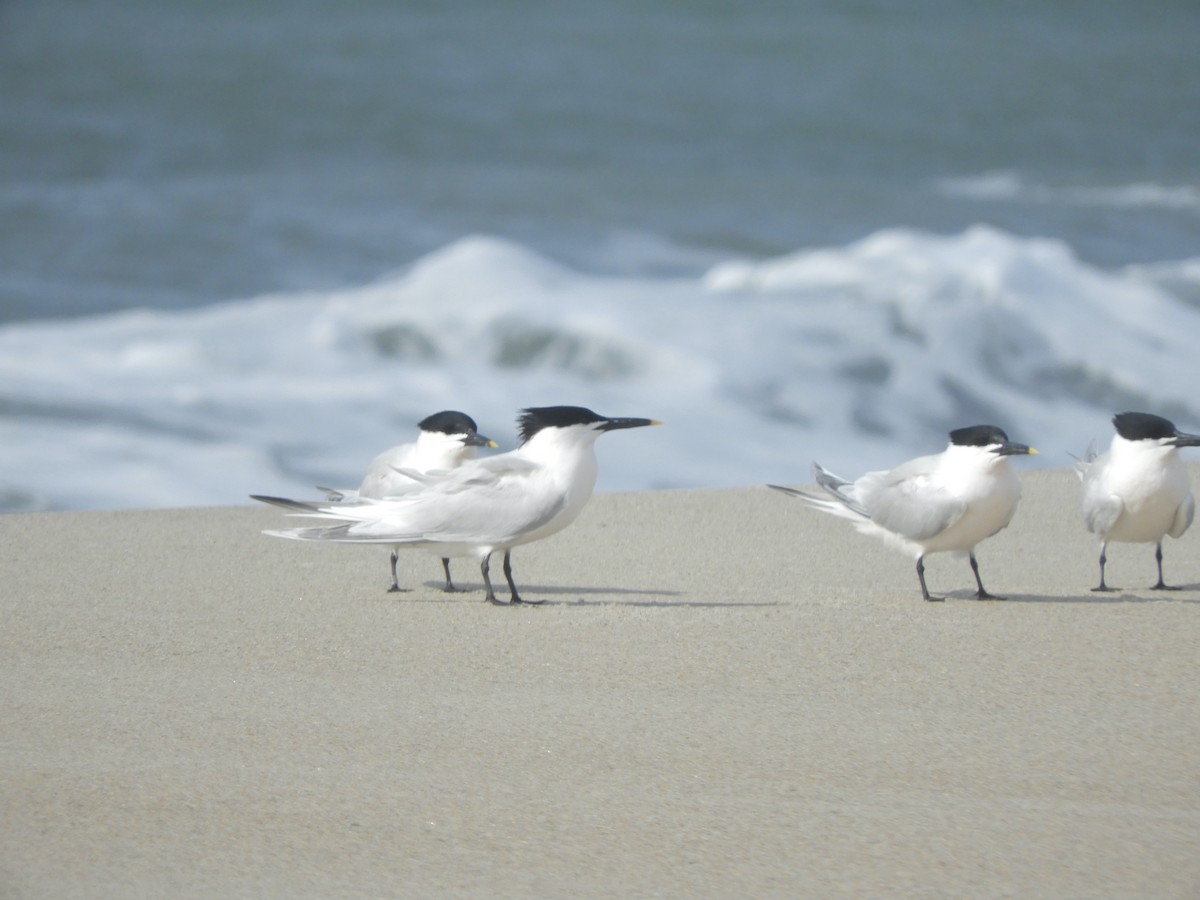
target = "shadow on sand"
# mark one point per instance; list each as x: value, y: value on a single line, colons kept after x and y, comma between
x: 562, y: 595
x: 1115, y: 596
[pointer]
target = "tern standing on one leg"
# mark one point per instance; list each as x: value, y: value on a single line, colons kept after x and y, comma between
x: 946, y: 502
x: 485, y: 505
x: 445, y: 440
x: 1138, y: 491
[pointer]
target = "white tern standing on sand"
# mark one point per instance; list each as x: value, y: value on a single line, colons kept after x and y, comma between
x: 949, y: 501
x: 445, y: 440
x: 1138, y: 491
x: 485, y: 505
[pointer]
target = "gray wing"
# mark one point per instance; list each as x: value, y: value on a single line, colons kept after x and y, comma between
x: 907, y: 502
x: 841, y: 489
x: 1183, y: 516
x: 492, y: 500
x: 831, y: 483
x: 1083, y: 465
x: 1101, y: 508
x: 312, y: 508
x: 838, y: 498
x: 381, y: 478
x: 491, y: 471
x: 488, y: 501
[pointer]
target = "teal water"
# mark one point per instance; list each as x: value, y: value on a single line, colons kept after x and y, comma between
x: 173, y: 155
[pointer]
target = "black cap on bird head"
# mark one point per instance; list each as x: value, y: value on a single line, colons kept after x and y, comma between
x: 1141, y: 426
x: 448, y: 421
x: 535, y: 418
x: 978, y: 436
x: 988, y: 436
x: 452, y: 422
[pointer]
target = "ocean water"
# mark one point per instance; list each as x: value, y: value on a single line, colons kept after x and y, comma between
x: 243, y: 249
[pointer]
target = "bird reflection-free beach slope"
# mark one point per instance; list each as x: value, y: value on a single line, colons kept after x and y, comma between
x: 723, y: 692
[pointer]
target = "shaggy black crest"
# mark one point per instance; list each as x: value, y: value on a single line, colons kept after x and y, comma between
x: 534, y: 419
x: 449, y: 421
x: 1140, y: 426
x: 978, y: 436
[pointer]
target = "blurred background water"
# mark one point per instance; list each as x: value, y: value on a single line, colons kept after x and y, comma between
x: 245, y: 247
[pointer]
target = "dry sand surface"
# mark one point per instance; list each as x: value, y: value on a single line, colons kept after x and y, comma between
x: 724, y: 694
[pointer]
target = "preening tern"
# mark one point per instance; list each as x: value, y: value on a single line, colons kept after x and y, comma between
x: 485, y: 505
x: 949, y: 501
x: 1138, y: 491
x: 445, y: 440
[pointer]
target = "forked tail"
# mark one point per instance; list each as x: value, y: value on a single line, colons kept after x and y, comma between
x: 839, y: 502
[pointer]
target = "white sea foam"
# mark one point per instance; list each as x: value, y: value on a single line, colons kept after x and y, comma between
x: 1010, y: 186
x: 857, y: 356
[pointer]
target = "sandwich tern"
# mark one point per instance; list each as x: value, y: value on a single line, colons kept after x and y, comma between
x: 1139, y: 490
x: 445, y: 440
x: 948, y: 501
x: 485, y: 505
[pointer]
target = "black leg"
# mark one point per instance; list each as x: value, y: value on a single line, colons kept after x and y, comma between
x: 921, y: 576
x: 1158, y: 558
x: 1103, y: 559
x: 512, y: 586
x: 449, y: 588
x: 981, y: 594
x: 484, y: 566
x: 516, y: 598
x: 395, y: 581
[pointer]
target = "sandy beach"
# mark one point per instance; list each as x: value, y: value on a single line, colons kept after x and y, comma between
x: 725, y: 693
